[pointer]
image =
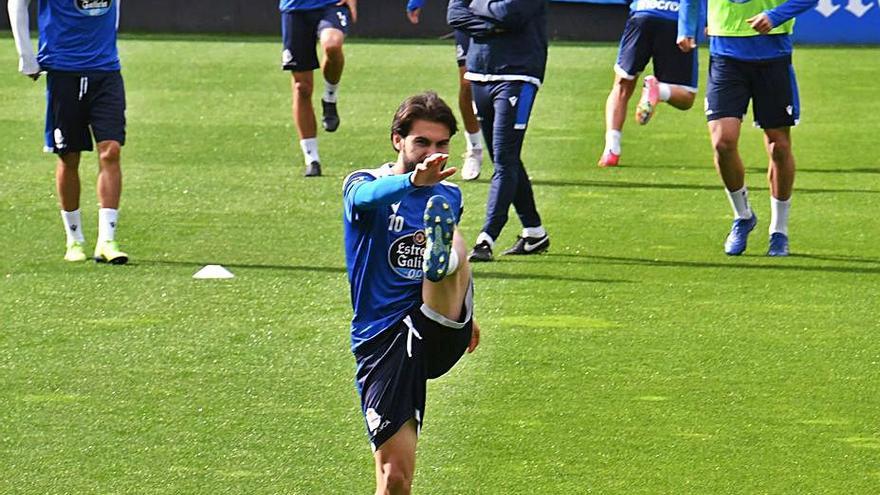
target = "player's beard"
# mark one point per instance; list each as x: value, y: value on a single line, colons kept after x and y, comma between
x: 409, y: 164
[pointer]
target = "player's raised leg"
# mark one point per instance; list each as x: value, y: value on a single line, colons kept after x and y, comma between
x: 780, y: 174
x: 725, y: 133
x: 334, y: 61
x: 68, y: 187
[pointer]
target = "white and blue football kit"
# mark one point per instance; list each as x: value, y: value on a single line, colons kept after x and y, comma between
x: 398, y: 341
x: 85, y: 91
x: 650, y: 33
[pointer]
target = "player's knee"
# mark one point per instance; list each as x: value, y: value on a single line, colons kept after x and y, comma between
x: 724, y: 145
x: 303, y: 89
x: 780, y: 151
x: 332, y: 46
x: 109, y: 152
x: 688, y: 101
x: 396, y: 481
x: 625, y: 87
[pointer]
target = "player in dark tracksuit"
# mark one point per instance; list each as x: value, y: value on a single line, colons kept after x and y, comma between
x: 505, y: 64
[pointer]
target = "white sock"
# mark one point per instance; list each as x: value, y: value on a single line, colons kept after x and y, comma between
x: 453, y: 263
x: 72, y: 225
x: 612, y: 141
x: 739, y: 200
x: 779, y: 215
x: 330, y: 91
x: 665, y: 91
x: 486, y: 237
x: 310, y: 150
x: 107, y: 224
x: 473, y: 140
x: 534, y: 231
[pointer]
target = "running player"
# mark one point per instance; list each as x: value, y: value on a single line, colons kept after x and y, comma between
x: 650, y: 34
x: 302, y: 23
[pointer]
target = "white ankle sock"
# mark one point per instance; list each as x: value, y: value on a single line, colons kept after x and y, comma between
x: 107, y: 224
x: 72, y: 226
x: 453, y: 263
x: 534, y: 231
x: 665, y: 91
x: 486, y: 237
x: 739, y: 200
x: 330, y: 91
x: 612, y: 141
x: 310, y: 150
x: 779, y: 215
x: 473, y: 140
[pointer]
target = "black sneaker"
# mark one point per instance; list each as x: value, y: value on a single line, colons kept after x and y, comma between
x: 313, y: 169
x: 330, y: 120
x: 481, y: 252
x: 529, y: 245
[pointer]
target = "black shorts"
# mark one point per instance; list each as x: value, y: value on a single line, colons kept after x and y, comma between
x: 770, y: 85
x: 647, y: 37
x: 393, y: 367
x: 300, y: 30
x: 82, y: 105
x: 462, y: 43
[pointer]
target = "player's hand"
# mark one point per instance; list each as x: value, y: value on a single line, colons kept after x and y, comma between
x: 686, y: 43
x: 413, y: 15
x: 475, y: 337
x: 431, y: 171
x: 29, y: 67
x: 761, y: 23
x: 352, y: 6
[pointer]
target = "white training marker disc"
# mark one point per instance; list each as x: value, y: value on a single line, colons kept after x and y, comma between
x: 213, y: 271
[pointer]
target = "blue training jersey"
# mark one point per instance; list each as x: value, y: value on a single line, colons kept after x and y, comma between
x: 78, y: 35
x: 664, y: 9
x: 289, y: 5
x: 384, y: 244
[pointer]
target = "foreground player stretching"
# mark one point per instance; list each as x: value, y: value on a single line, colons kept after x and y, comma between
x: 411, y: 286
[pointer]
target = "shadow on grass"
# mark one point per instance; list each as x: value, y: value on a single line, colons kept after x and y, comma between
x: 478, y: 272
x: 690, y: 187
x: 781, y: 264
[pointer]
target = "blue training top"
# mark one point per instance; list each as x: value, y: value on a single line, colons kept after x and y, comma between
x: 384, y: 244
x: 78, y: 35
x: 289, y: 5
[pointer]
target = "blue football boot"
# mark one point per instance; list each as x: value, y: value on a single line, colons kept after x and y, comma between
x: 778, y: 244
x: 439, y: 226
x: 739, y: 235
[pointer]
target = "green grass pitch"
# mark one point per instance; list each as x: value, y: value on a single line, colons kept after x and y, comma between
x: 634, y: 358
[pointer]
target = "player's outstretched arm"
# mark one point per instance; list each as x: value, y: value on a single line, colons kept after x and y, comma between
x: 18, y: 18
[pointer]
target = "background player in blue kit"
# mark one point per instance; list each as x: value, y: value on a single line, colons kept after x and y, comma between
x: 505, y: 64
x: 302, y: 23
x: 473, y: 156
x: 750, y: 51
x: 411, y: 287
x: 650, y: 34
x: 85, y: 98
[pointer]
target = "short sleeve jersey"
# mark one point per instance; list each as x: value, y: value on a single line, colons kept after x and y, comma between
x: 78, y: 35
x: 383, y: 253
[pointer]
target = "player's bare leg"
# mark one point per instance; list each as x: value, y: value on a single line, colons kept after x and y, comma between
x: 780, y: 174
x: 109, y: 174
x: 447, y: 296
x: 680, y: 97
x: 615, y: 116
x: 67, y: 181
x: 302, y: 83
x: 473, y: 157
x: 333, y: 63
x: 109, y: 191
x: 396, y: 461
x: 725, y: 143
